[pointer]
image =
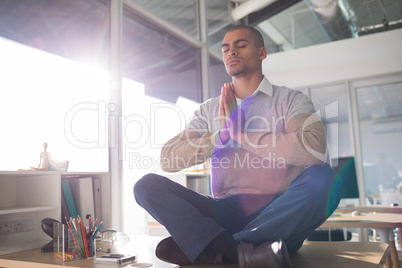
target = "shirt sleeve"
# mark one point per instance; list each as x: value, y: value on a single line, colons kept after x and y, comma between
x: 303, y: 143
x: 192, y: 146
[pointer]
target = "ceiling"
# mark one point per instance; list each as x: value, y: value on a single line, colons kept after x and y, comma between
x: 278, y: 19
x: 296, y: 24
x: 285, y: 24
x: 79, y: 29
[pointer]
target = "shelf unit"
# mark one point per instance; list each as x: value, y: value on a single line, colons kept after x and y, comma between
x: 29, y: 196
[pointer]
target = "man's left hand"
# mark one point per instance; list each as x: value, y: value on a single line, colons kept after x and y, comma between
x: 234, y: 115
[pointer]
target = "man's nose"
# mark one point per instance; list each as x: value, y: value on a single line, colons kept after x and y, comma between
x: 232, y: 52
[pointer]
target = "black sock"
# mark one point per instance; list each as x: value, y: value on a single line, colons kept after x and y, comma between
x: 226, y: 245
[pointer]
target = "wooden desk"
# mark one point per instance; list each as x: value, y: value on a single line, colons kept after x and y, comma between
x: 332, y: 255
x: 142, y: 246
x: 373, y: 208
x: 370, y: 208
x: 384, y: 223
x: 311, y: 255
x: 340, y: 254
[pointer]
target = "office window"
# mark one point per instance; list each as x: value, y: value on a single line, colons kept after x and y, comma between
x: 77, y: 30
x: 331, y: 102
x: 380, y: 120
x: 167, y: 66
x: 217, y: 77
x: 161, y: 90
x: 40, y: 90
x: 180, y: 13
x: 219, y: 21
x: 147, y: 124
x: 47, y: 98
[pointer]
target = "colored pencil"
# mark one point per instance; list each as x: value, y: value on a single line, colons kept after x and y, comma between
x: 84, y: 237
x: 97, y: 230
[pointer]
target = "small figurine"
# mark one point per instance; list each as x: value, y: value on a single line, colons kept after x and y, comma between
x: 44, y: 162
x: 47, y: 163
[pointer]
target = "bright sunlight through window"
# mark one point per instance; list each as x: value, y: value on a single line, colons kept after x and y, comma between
x: 47, y: 98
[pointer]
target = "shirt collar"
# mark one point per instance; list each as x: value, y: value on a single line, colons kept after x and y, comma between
x: 265, y: 87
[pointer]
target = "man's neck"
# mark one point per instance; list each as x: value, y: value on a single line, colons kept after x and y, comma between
x: 245, y: 86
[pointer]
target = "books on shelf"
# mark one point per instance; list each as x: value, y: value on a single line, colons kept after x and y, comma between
x: 97, y: 197
x: 68, y: 197
x: 82, y: 196
x: 64, y: 209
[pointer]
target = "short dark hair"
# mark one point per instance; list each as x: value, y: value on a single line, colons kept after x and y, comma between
x: 257, y: 36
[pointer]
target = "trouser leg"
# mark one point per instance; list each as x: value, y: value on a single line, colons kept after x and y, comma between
x: 310, y: 200
x: 192, y: 219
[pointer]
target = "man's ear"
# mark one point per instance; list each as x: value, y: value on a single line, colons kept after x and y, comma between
x: 263, y: 53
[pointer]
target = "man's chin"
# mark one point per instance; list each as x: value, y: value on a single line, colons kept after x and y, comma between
x: 233, y: 72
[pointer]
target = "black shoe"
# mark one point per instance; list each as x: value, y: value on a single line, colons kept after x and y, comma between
x: 265, y: 255
x: 167, y: 250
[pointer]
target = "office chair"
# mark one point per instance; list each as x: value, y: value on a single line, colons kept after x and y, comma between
x: 345, y: 168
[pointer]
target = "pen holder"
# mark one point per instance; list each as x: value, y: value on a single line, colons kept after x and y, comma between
x: 70, y: 244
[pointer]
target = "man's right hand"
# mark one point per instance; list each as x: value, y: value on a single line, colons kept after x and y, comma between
x: 227, y: 106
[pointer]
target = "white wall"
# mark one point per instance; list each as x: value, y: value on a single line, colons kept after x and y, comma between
x: 366, y: 56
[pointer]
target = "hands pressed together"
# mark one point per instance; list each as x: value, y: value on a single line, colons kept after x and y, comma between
x: 232, y: 119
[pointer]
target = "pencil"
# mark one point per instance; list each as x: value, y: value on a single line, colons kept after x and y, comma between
x: 60, y: 256
x: 90, y: 224
x: 96, y: 221
x: 84, y: 237
x: 77, y: 235
x: 89, y: 232
x: 97, y: 230
x: 71, y: 230
x: 67, y: 222
x: 74, y: 223
x: 85, y: 240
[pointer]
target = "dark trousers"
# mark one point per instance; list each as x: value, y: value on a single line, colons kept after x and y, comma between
x: 194, y: 220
